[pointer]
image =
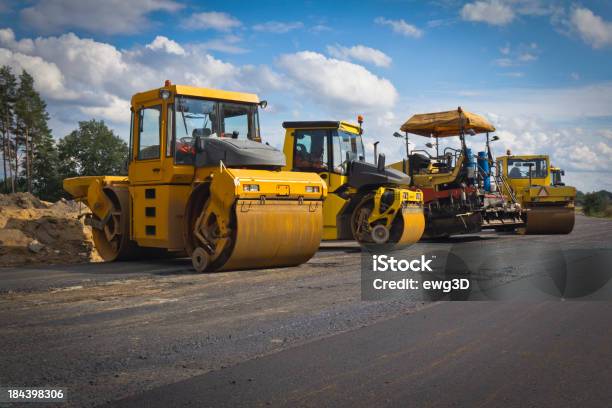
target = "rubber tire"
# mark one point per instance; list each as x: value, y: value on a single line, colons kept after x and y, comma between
x: 200, y: 260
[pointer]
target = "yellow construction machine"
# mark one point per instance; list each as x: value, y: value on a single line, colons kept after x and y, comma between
x: 201, y: 182
x: 366, y: 202
x: 450, y: 180
x: 548, y: 204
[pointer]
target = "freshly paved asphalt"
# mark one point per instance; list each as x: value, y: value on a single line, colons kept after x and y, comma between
x: 156, y: 334
x: 472, y: 354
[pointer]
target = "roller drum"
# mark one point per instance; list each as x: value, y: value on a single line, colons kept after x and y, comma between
x: 550, y: 220
x: 274, y: 233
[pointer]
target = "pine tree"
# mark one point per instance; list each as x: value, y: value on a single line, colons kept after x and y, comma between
x: 8, y: 85
x: 39, y: 151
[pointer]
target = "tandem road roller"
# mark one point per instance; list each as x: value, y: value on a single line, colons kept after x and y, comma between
x: 201, y: 182
x: 366, y: 202
x: 547, y: 203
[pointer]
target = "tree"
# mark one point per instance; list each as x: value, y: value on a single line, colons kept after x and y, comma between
x: 32, y: 130
x: 92, y: 150
x: 596, y: 203
x: 8, y: 86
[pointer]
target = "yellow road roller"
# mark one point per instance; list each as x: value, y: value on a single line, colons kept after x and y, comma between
x: 366, y: 202
x: 201, y: 182
x: 548, y: 204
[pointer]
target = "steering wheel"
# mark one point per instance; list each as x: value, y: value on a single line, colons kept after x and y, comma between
x: 185, y: 145
x: 300, y: 149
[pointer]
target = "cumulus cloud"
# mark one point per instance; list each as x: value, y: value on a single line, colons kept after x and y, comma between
x: 493, y: 12
x: 400, y: 27
x: 106, y: 17
x: 278, y: 27
x: 166, y: 44
x: 360, y: 53
x: 546, y: 121
x: 594, y: 30
x: 81, y: 78
x: 212, y: 20
x: 51, y: 79
x: 338, y: 83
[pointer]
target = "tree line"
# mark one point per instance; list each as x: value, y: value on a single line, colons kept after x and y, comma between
x: 32, y: 160
x: 595, y: 204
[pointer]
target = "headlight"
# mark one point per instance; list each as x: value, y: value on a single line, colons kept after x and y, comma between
x: 164, y: 94
x: 312, y: 189
x: 405, y: 196
x: 418, y: 196
x: 250, y: 187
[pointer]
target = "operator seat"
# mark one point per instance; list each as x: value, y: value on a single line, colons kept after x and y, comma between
x: 418, y: 162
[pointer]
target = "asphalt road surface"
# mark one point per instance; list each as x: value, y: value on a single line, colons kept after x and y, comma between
x: 156, y: 334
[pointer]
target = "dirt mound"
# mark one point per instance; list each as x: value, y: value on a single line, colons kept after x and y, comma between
x: 37, y: 232
x: 22, y: 200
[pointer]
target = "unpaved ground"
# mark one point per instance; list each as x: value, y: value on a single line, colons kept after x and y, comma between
x: 38, y: 232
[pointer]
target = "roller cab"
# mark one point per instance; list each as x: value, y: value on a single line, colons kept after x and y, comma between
x: 365, y: 202
x: 548, y: 203
x: 200, y: 182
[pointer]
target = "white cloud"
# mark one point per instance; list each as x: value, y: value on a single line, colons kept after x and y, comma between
x: 527, y: 56
x: 107, y: 17
x: 82, y: 78
x: 607, y: 133
x: 517, y: 55
x: 212, y: 20
x: 592, y: 28
x: 164, y: 43
x: 493, y: 12
x: 114, y: 111
x: 340, y: 84
x: 278, y: 27
x: 400, y: 27
x: 569, y: 103
x: 560, y: 122
x: 49, y: 77
x: 228, y: 44
x: 504, y: 62
x: 360, y: 53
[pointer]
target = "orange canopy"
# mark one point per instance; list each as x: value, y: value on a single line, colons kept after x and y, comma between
x: 444, y: 124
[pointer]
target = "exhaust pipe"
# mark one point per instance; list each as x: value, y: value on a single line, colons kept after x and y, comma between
x: 376, y: 153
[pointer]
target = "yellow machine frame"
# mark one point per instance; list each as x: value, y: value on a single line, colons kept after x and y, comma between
x: 158, y: 205
x: 407, y: 202
x: 549, y: 208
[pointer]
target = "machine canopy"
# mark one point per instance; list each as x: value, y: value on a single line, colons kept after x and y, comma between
x: 444, y: 124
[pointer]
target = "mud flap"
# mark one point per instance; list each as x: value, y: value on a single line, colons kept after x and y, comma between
x: 414, y: 225
x: 275, y: 233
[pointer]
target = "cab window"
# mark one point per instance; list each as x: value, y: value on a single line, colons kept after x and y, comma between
x: 520, y: 168
x: 310, y: 150
x: 149, y: 123
x: 235, y: 121
x: 194, y: 118
x: 346, y: 145
x: 170, y: 131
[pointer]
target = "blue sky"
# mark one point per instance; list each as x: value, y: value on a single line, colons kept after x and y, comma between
x: 539, y: 70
